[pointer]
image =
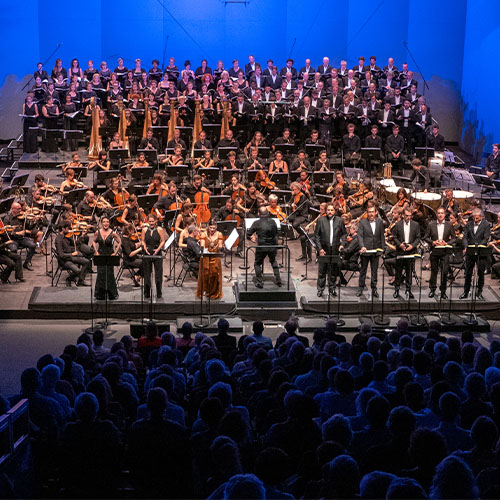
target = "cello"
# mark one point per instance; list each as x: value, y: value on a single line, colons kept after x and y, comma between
x: 201, y: 210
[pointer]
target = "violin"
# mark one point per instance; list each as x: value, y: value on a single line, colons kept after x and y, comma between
x: 296, y: 201
x: 262, y: 178
x: 494, y: 228
x: 6, y: 229
x: 277, y: 212
x: 48, y: 188
x: 72, y: 234
x: 99, y: 204
x: 77, y: 184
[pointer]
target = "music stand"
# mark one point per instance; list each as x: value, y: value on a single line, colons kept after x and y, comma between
x: 369, y: 155
x: 19, y: 180
x: 313, y: 150
x: 287, y: 149
x: 424, y: 152
x: 104, y: 175
x: 264, y: 152
x: 80, y: 172
x: 228, y: 173
x: 199, y: 153
x: 475, y: 251
x: 117, y: 155
x: 151, y: 155
x: 311, y: 242
x: 218, y: 201
x: 211, y: 174
x: 146, y: 201
x: 212, y: 130
x: 161, y: 133
x: 323, y: 178
x: 177, y: 171
x: 106, y: 261
x: 141, y: 173
x: 222, y: 153
x: 76, y: 196
x: 283, y: 195
x: 5, y: 204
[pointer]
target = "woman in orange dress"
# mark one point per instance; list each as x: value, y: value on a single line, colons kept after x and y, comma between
x: 210, y: 273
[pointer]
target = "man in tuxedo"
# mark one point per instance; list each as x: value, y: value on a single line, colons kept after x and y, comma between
x: 289, y: 69
x: 361, y: 68
x: 307, y: 117
x: 476, y: 232
x: 406, y: 235
x: 329, y: 231
x: 266, y: 233
x: 306, y: 69
x: 325, y: 68
x: 439, y: 233
x: 371, y: 238
x: 241, y: 110
x: 423, y: 120
x: 257, y: 77
x: 267, y: 72
x: 274, y: 80
x: 250, y: 66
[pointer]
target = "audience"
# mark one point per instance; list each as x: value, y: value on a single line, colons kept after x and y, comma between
x: 386, y: 416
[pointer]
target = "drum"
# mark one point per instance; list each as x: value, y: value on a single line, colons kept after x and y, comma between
x: 432, y: 200
x: 382, y: 186
x: 463, y: 198
x: 391, y: 194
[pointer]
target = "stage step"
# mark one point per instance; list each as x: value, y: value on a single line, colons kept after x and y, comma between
x: 270, y: 293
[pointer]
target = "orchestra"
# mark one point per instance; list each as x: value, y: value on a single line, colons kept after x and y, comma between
x: 288, y: 124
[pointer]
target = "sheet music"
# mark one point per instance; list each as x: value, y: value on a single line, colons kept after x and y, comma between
x: 169, y: 241
x: 231, y: 239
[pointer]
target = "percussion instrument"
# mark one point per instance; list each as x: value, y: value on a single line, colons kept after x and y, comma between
x: 463, y: 198
x: 432, y: 200
x: 391, y: 194
x: 382, y: 185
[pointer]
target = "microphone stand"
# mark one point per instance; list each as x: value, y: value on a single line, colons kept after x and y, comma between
x: 418, y: 67
x: 448, y: 320
x: 418, y: 321
x: 472, y: 319
x: 380, y: 320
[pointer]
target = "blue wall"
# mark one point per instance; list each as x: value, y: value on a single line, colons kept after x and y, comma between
x: 481, y: 78
x: 212, y: 29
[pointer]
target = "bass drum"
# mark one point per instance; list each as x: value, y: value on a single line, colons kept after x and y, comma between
x: 463, y: 199
x: 432, y: 200
x: 382, y: 186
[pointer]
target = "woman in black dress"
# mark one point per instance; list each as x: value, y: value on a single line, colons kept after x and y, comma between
x: 104, y: 244
x: 30, y: 112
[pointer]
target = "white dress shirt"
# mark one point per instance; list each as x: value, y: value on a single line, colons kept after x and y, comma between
x: 406, y: 227
x: 331, y: 231
x: 440, y: 230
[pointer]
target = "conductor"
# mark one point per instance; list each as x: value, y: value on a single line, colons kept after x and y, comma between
x: 266, y: 232
x: 328, y: 232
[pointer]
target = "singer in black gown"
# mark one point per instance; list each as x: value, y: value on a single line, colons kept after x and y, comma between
x: 104, y: 240
x: 30, y: 112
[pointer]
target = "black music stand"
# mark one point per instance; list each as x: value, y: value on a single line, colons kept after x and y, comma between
x: 309, y: 241
x: 223, y: 152
x: 106, y: 261
x: 203, y: 291
x: 264, y: 152
x: 369, y: 155
x: 75, y: 196
x: 313, y: 150
x: 381, y: 320
x: 448, y: 249
x: 218, y: 201
x: 211, y: 174
x: 80, y: 172
x: 141, y: 173
x: 280, y: 179
x: 213, y: 131
x: 199, y: 153
x: 424, y: 153
x: 151, y: 155
x: 117, y: 155
x: 475, y: 251
x: 146, y: 201
x: 177, y: 171
x: 19, y: 180
x: 228, y: 173
x: 287, y: 149
x: 332, y: 260
x: 104, y: 175
x: 323, y: 178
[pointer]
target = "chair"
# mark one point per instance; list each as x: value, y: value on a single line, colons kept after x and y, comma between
x: 187, y: 268
x: 56, y: 276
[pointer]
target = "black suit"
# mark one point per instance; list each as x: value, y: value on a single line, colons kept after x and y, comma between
x: 286, y: 70
x: 402, y: 263
x: 371, y: 241
x: 267, y: 232
x: 329, y: 242
x: 277, y: 82
x: 437, y: 142
x: 439, y: 256
x: 480, y: 237
x: 249, y: 71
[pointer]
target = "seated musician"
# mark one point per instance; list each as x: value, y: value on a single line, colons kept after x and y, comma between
x: 274, y: 209
x: 301, y: 162
x: 70, y: 258
x: 205, y: 161
x: 256, y: 142
x: 434, y: 139
x: 235, y: 190
x: 177, y: 141
x: 229, y: 212
x: 191, y: 189
x: 115, y: 195
x: 185, y: 217
x: 420, y: 174
x: 177, y: 158
x: 394, y: 147
x: 9, y: 259
x: 278, y: 165
x: 284, y: 139
x: 315, y: 139
x: 305, y: 183
x: 450, y: 204
x: 203, y: 142
x: 339, y: 182
x: 229, y: 141
x: 403, y: 200
x: 149, y: 142
x: 492, y: 165
x: 358, y: 201
x: 252, y: 201
x: 349, y: 250
x: 117, y: 143
x: 140, y: 162
x: 193, y: 249
x: 322, y: 164
x: 157, y: 186
x: 351, y: 145
x: 87, y: 206
x: 232, y: 163
x: 102, y: 162
x: 70, y: 183
x: 253, y: 162
x: 132, y: 251
x: 339, y: 201
x: 74, y: 163
x: 132, y: 211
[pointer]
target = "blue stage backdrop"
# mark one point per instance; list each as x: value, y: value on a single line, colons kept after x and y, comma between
x: 445, y: 38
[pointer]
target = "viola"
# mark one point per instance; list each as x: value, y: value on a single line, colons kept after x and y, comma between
x: 72, y: 234
x: 262, y: 178
x: 277, y: 212
x: 201, y: 210
x: 121, y: 199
